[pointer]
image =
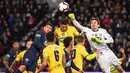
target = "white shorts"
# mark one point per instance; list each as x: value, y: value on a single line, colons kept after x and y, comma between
x: 107, y: 58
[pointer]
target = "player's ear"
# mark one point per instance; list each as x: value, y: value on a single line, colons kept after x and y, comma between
x: 60, y: 25
x: 98, y: 25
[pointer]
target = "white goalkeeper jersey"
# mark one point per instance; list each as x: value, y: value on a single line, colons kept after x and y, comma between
x: 101, y: 34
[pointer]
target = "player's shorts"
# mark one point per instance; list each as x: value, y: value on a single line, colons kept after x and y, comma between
x: 30, y: 60
x: 107, y: 58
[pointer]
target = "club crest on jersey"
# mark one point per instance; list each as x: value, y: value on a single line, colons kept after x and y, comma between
x: 38, y: 35
x: 26, y: 60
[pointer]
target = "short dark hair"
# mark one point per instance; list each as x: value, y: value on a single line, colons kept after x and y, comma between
x: 67, y: 41
x: 64, y: 21
x: 80, y: 39
x: 50, y: 36
x: 48, y: 23
x: 14, y: 41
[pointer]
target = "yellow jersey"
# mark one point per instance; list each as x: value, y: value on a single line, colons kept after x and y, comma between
x: 55, y: 56
x: 20, y: 56
x: 71, y: 31
x: 113, y: 69
x: 78, y: 53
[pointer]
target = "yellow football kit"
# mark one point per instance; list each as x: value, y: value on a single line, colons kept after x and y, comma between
x: 78, y: 53
x: 55, y: 56
x: 113, y: 69
x: 71, y: 31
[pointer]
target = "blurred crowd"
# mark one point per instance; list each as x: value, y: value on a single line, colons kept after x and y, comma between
x: 18, y: 17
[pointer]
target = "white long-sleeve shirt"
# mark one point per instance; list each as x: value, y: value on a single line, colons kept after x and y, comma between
x: 101, y: 34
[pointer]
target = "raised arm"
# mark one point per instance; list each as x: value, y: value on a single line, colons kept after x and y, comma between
x: 12, y: 66
x: 76, y: 23
x: 6, y: 61
x: 123, y: 55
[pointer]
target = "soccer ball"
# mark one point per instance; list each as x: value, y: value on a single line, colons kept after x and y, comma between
x: 63, y: 6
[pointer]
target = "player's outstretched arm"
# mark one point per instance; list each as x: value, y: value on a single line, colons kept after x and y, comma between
x: 76, y: 23
x: 123, y: 54
x: 92, y: 56
x: 6, y: 61
x: 12, y: 66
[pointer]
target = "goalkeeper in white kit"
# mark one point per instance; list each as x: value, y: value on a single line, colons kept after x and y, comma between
x: 98, y: 39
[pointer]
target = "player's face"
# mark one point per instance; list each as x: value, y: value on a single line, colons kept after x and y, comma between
x: 15, y: 45
x: 64, y: 27
x: 71, y: 44
x: 94, y: 25
x: 28, y: 45
x: 47, y: 28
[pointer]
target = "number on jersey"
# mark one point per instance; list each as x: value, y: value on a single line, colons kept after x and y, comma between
x: 56, y: 53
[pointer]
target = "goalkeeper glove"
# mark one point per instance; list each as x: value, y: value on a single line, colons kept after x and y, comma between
x: 97, y: 40
x: 71, y: 16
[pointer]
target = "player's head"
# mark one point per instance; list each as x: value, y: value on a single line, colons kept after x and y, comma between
x: 50, y: 37
x: 80, y: 39
x: 64, y: 25
x: 28, y: 44
x: 15, y: 45
x: 47, y: 27
x: 68, y: 41
x: 95, y: 23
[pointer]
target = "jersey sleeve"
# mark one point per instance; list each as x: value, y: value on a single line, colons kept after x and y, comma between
x: 39, y: 60
x: 107, y: 37
x: 82, y: 28
x: 45, y: 52
x: 18, y: 58
x: 121, y: 59
x: 91, y: 56
x: 76, y: 33
x: 84, y: 53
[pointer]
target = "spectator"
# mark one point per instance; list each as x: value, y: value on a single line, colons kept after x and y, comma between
x: 10, y: 57
x: 11, y: 22
x: 31, y: 21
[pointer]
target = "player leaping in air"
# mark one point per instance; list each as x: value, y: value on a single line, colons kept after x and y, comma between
x: 98, y: 39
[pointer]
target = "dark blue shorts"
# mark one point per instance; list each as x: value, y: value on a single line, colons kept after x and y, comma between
x: 30, y: 60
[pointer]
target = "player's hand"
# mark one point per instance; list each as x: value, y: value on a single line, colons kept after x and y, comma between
x: 37, y: 71
x: 81, y: 71
x: 95, y: 39
x: 122, y: 50
x: 11, y: 70
x: 97, y: 51
x: 71, y: 16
